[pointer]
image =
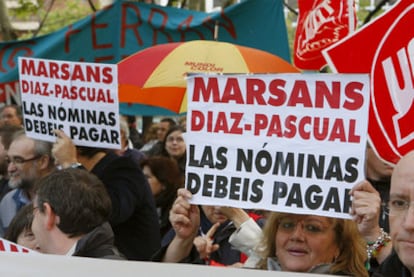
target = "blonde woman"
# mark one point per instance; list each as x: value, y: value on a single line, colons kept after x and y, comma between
x: 309, y: 243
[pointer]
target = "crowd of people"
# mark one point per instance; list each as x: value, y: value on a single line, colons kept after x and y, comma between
x: 131, y: 204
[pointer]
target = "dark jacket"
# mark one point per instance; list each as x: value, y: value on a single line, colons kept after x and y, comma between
x: 134, y: 218
x: 391, y: 266
x: 383, y: 187
x: 4, y: 187
x: 99, y: 243
x: 225, y: 255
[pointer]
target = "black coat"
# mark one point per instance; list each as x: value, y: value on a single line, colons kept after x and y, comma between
x: 99, y: 243
x: 134, y: 218
x: 391, y: 266
x: 383, y: 187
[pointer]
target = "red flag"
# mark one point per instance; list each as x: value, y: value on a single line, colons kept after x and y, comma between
x: 385, y: 49
x: 321, y: 23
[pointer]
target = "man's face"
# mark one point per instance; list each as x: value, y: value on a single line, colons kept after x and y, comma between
x: 9, y: 117
x: 162, y: 130
x: 402, y: 215
x: 22, y: 174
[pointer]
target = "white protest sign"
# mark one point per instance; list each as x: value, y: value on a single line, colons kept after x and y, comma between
x: 79, y: 98
x: 17, y: 264
x: 282, y: 142
x: 8, y: 246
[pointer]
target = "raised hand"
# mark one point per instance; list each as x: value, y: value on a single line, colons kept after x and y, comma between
x: 64, y: 150
x: 205, y: 244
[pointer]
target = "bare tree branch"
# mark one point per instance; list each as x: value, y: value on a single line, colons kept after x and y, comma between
x: 92, y: 6
x: 374, y: 11
x: 6, y: 30
x: 289, y: 8
x: 44, y: 19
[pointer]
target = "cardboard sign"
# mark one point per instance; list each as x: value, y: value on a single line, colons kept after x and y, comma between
x: 79, y: 98
x: 282, y: 142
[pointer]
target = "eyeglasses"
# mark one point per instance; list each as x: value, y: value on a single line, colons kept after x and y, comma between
x: 397, y: 207
x: 312, y: 227
x: 20, y: 160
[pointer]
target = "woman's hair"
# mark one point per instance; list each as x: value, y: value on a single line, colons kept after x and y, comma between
x: 171, y: 130
x: 352, y: 247
x: 21, y: 222
x: 167, y: 172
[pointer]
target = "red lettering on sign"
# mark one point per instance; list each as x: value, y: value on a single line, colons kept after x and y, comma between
x: 161, y: 28
x: 13, y: 248
x: 68, y: 34
x: 232, y: 92
x: 300, y: 95
x: 228, y: 25
x: 16, y: 52
x: 209, y: 25
x: 94, y: 28
x: 320, y: 94
x: 103, y: 59
x: 184, y: 27
x: 256, y: 88
x: 133, y: 27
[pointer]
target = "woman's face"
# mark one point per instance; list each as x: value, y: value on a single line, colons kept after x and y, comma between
x: 28, y: 240
x: 304, y: 241
x: 175, y: 144
x: 156, y: 186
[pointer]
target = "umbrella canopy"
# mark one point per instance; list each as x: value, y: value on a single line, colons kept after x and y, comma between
x: 155, y: 76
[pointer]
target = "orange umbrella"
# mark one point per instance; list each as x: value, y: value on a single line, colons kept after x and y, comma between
x: 155, y: 76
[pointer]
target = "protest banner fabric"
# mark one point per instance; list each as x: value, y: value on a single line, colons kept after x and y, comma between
x: 384, y: 48
x: 47, y: 265
x: 321, y: 23
x: 281, y: 142
x: 126, y: 27
x: 8, y: 246
x: 79, y: 98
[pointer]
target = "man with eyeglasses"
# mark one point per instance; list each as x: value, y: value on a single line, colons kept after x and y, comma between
x: 134, y: 217
x: 28, y: 160
x: 6, y: 134
x: 401, y: 217
x: 70, y: 215
x: 366, y: 208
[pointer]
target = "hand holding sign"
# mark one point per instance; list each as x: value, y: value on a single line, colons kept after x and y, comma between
x: 366, y: 206
x: 366, y: 210
x: 283, y: 142
x: 64, y: 151
x: 184, y: 217
x: 185, y: 220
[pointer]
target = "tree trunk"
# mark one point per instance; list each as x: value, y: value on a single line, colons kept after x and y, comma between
x: 6, y: 30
